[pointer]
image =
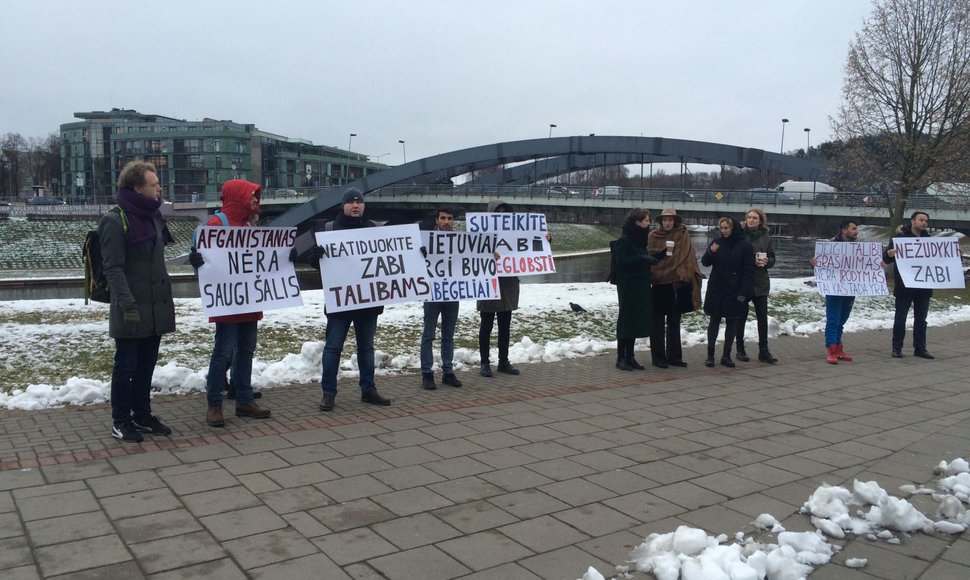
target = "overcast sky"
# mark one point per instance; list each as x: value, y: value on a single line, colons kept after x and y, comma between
x: 439, y: 74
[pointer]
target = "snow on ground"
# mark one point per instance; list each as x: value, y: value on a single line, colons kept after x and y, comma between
x: 867, y: 510
x: 804, y: 317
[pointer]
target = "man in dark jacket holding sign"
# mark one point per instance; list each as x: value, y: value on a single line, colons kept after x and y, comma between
x: 918, y: 298
x: 364, y: 320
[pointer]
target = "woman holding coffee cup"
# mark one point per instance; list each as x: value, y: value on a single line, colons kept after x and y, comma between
x: 674, y: 289
x: 756, y: 229
x: 729, y: 286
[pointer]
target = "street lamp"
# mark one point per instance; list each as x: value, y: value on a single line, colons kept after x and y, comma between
x: 404, y: 150
x: 783, y: 123
x: 808, y: 141
x: 551, y: 127
x: 350, y: 140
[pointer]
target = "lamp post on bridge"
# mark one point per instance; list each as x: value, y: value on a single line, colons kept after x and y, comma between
x: 404, y: 150
x: 783, y: 123
x: 551, y: 127
x: 808, y: 141
x: 350, y: 140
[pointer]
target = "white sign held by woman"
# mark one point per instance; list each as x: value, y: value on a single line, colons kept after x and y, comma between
x: 519, y: 240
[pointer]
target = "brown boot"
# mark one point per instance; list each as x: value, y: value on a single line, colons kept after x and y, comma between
x: 214, y: 417
x: 252, y: 410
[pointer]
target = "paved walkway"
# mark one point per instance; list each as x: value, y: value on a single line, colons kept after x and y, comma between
x: 538, y: 476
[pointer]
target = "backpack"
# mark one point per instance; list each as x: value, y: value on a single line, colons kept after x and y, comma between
x: 222, y: 217
x: 611, y: 277
x: 95, y: 282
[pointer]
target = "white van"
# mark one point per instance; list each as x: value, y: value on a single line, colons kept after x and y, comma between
x: 806, y: 187
x: 608, y: 191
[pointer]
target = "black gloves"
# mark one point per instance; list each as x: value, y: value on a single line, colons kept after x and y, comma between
x: 313, y: 255
x: 293, y: 255
x: 195, y: 258
x: 131, y: 317
x: 660, y: 255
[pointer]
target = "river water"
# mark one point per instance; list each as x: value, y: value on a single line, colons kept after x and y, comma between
x: 791, y: 261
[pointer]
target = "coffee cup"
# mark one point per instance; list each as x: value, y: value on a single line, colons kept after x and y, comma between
x: 761, y: 257
x: 670, y: 247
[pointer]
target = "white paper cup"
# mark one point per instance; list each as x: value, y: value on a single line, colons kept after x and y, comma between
x: 670, y: 247
x: 761, y: 256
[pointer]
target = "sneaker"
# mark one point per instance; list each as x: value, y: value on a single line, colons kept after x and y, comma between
x: 126, y: 432
x: 152, y: 425
x: 451, y: 380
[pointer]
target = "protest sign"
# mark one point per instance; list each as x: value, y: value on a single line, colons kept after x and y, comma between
x: 849, y: 269
x: 518, y: 238
x: 246, y: 270
x: 366, y: 267
x: 458, y: 267
x: 929, y: 262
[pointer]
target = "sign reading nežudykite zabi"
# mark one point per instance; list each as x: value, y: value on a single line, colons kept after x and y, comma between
x: 366, y: 267
x: 518, y: 238
x: 461, y: 266
x: 849, y: 269
x: 246, y: 270
x: 929, y: 262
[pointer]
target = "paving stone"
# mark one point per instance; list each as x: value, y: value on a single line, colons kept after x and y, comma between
x: 359, y: 430
x: 946, y: 571
x: 363, y: 571
x: 349, y: 488
x: 208, y: 480
x: 351, y: 514
x: 300, y: 475
x: 140, y: 503
x: 453, y: 448
x: 358, y: 446
x: 312, y: 566
x: 158, y: 525
x: 177, y: 552
x: 457, y: 467
x: 423, y: 562
x: 258, y: 483
x: 408, y: 477
x: 728, y: 484
x: 228, y: 499
x: 211, y: 452
x: 687, y: 495
x: 543, y: 533
x: 528, y: 503
x: 68, y: 528
x: 354, y: 545
x: 448, y: 431
x: 406, y: 438
x: 125, y: 483
x: 576, y: 491
x: 224, y: 569
x: 295, y: 499
x: 80, y: 555
x: 48, y: 490
x: 485, y: 550
x: 885, y: 563
x: 496, y: 440
x: 516, y: 478
x: 504, y: 458
x: 20, y: 478
x: 244, y: 522
x: 306, y: 524
x: 260, y: 445
x: 311, y: 436
x: 474, y: 516
x: 6, y: 502
x: 643, y: 506
x: 587, y: 443
x: 127, y: 570
x: 74, y: 471
x: 561, y: 469
x: 503, y: 572
x: 614, y: 548
x: 59, y: 504
x: 411, y: 501
x: 417, y: 530
x: 140, y: 461
x: 621, y: 481
x: 566, y: 563
x: 14, y: 552
x: 465, y: 489
x: 958, y: 553
x: 358, y: 465
x: 10, y: 525
x: 596, y: 519
x: 252, y: 463
x: 717, y: 520
x: 268, y: 548
x: 308, y: 454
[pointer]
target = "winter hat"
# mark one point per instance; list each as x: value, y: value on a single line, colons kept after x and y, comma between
x: 353, y: 194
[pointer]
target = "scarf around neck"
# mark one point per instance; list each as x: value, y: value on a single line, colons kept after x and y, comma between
x: 636, y: 234
x: 678, y: 267
x: 141, y: 211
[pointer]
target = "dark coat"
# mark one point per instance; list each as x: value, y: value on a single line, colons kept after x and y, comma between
x: 508, y: 286
x: 632, y: 264
x: 732, y: 276
x: 760, y: 241
x: 899, y: 288
x: 136, y: 274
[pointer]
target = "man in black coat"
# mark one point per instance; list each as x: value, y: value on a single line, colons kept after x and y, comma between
x: 918, y: 298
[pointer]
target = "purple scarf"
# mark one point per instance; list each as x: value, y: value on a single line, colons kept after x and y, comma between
x: 141, y: 212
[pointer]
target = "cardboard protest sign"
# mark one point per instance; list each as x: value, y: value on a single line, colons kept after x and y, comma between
x: 246, y: 270
x: 849, y: 269
x: 929, y: 262
x: 366, y: 267
x: 458, y: 267
x: 518, y: 238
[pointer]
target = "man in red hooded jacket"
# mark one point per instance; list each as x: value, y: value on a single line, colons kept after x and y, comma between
x: 235, y: 341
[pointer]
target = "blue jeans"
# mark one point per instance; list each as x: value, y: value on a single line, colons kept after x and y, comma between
x: 449, y: 319
x: 234, y: 345
x: 837, y: 311
x: 131, y: 378
x: 365, y: 328
x: 921, y: 307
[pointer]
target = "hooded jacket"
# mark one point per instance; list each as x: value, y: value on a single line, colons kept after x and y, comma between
x: 237, y: 197
x: 761, y: 242
x: 732, y: 275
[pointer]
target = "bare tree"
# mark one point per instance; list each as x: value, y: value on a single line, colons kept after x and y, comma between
x: 904, y: 112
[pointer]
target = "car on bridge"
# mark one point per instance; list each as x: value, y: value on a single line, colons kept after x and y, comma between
x: 768, y: 196
x: 561, y: 191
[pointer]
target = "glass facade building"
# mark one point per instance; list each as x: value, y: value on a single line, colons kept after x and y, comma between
x: 195, y: 157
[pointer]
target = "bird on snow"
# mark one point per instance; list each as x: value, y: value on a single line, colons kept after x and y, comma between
x: 576, y: 307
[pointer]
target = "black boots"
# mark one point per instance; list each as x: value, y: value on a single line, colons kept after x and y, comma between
x: 742, y: 355
x: 765, y: 356
x: 709, y: 362
x: 427, y: 382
